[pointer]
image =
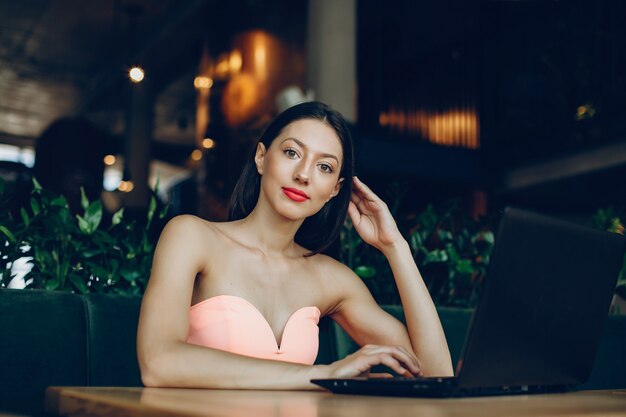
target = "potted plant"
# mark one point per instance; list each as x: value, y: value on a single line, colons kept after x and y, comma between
x: 76, y: 253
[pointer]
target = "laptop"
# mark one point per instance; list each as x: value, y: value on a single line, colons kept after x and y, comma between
x: 541, y: 313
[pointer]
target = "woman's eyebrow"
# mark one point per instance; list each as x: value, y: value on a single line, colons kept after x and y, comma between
x: 302, y: 145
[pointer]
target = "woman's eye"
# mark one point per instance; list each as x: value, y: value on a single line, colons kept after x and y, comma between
x: 326, y: 168
x: 291, y: 153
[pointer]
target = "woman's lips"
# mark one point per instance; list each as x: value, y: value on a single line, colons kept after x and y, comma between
x: 295, y: 194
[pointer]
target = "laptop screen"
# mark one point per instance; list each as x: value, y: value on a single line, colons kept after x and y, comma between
x: 544, y: 302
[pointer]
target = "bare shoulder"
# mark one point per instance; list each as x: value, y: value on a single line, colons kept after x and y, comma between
x: 338, y: 280
x: 186, y: 246
x: 189, y: 228
x: 187, y: 222
x: 332, y: 268
x: 189, y: 235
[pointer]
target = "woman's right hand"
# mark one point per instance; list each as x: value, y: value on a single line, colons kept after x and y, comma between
x: 397, y: 358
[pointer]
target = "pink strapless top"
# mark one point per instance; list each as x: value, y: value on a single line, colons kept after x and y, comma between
x: 233, y: 324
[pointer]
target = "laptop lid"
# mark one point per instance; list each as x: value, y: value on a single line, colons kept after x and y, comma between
x: 545, y: 299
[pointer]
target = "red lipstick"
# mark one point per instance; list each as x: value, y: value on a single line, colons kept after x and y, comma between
x: 295, y: 194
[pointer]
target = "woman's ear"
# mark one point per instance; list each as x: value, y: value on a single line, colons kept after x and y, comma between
x: 258, y: 157
x: 336, y: 189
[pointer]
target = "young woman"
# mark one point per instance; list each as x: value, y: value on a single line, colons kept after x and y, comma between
x: 236, y: 304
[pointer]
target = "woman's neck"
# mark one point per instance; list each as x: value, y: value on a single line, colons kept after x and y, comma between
x: 269, y: 232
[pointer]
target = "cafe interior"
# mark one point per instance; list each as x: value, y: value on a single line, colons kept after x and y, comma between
x: 137, y: 111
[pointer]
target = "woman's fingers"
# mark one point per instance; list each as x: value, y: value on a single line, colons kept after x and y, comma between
x: 406, y: 358
x: 394, y: 357
x: 412, y: 356
x: 364, y: 190
x: 353, y: 212
x: 393, y: 363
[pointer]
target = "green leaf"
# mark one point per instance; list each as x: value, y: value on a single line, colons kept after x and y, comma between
x: 90, y: 253
x: 164, y: 211
x: 365, y: 271
x: 8, y: 234
x: 59, y: 201
x: 84, y: 202
x: 52, y: 284
x: 416, y: 241
x: 37, y: 187
x: 25, y: 217
x: 117, y: 217
x: 34, y: 205
x: 79, y: 284
x: 93, y: 215
x: 129, y: 275
x: 147, y: 246
x: 445, y: 235
x: 464, y: 266
x: 484, y: 236
x: 151, y: 210
x: 114, y: 265
x: 83, y: 225
x: 453, y: 255
x: 436, y: 256
x: 99, y: 271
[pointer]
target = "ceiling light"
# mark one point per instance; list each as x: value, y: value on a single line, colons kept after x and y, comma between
x: 208, y: 143
x: 196, y: 155
x: 126, y: 186
x: 202, y: 82
x: 109, y: 160
x: 136, y: 74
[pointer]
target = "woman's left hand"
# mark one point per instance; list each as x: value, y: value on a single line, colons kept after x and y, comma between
x: 371, y: 218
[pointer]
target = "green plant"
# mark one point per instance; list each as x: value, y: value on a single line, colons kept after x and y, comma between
x: 77, y: 253
x: 451, y: 250
x: 613, y: 220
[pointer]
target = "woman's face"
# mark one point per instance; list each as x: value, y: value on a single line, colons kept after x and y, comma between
x: 300, y: 170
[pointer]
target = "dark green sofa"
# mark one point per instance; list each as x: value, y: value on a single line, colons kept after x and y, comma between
x: 54, y: 338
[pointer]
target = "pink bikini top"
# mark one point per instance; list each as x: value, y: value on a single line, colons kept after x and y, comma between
x: 233, y: 324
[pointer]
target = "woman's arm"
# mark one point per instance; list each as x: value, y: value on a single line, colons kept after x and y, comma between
x: 374, y: 223
x: 167, y: 360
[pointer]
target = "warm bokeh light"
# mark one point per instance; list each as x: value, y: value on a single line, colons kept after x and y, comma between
x: 235, y: 61
x: 136, y: 74
x: 240, y: 99
x: 196, y: 155
x: 222, y: 68
x: 261, y: 42
x: 455, y: 127
x: 585, y: 111
x: 126, y: 186
x: 208, y: 143
x: 109, y: 160
x: 202, y: 82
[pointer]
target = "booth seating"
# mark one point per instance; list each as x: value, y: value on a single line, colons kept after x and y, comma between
x: 54, y: 338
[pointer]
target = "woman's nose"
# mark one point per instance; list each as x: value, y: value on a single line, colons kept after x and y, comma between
x: 301, y: 175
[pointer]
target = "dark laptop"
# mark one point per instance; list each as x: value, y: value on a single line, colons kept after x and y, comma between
x: 540, y: 317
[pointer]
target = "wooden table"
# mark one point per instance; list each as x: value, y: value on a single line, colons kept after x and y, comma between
x: 117, y: 402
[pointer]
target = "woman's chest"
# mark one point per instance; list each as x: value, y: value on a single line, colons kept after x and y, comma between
x: 275, y: 289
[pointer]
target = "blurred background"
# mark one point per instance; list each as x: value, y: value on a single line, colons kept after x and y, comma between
x: 491, y: 103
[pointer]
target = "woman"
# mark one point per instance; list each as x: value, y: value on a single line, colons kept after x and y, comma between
x: 258, y: 284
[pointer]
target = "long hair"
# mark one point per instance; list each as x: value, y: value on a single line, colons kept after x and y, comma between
x: 320, y: 230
